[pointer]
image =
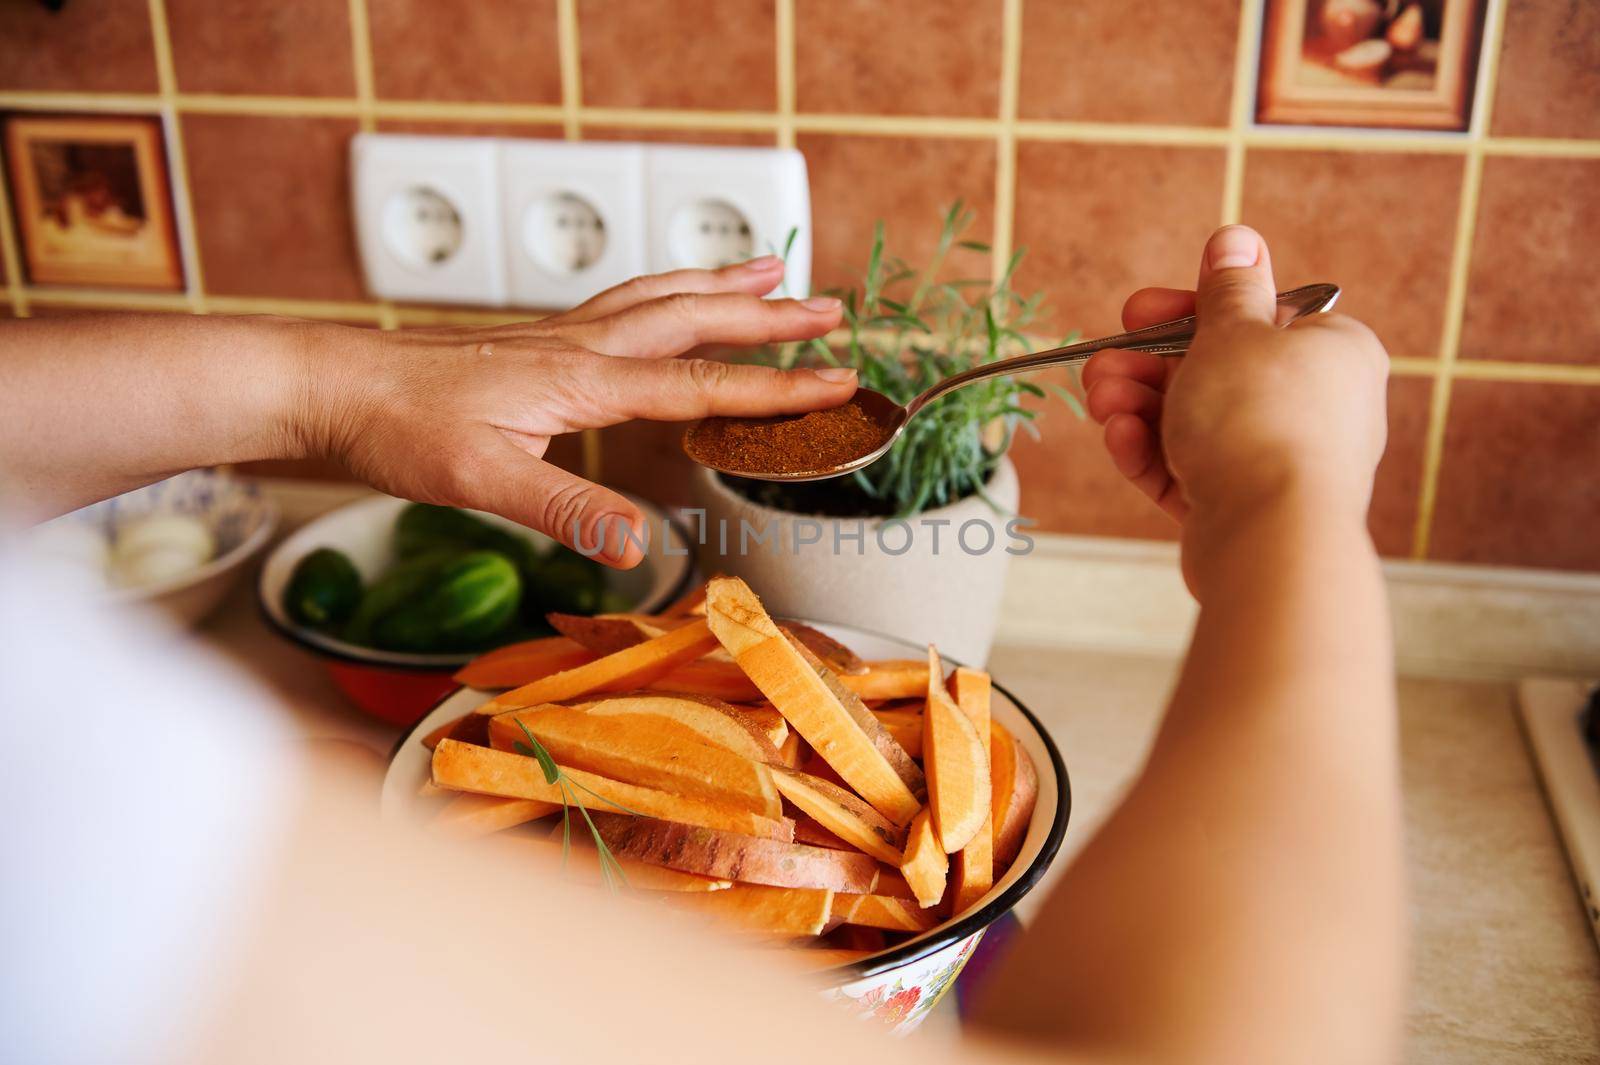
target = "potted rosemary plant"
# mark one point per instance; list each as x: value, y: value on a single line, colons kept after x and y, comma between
x: 917, y: 543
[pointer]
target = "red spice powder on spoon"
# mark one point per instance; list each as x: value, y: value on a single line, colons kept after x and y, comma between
x: 789, y: 444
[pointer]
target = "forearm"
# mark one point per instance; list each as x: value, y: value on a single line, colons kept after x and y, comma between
x: 95, y: 405
x: 1245, y: 903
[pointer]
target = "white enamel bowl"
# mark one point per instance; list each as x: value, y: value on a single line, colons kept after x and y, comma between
x: 398, y: 687
x: 900, y: 985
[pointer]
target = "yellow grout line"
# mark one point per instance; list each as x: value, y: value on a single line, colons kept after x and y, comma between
x: 931, y: 126
x: 1241, y: 107
x: 1113, y: 133
x: 759, y: 121
x: 361, y: 63
x: 571, y: 72
x: 435, y: 110
x: 1337, y: 140
x: 1460, y: 275
x: 207, y: 103
x: 177, y: 158
x: 108, y: 299
x: 593, y: 462
x: 1005, y: 167
x: 572, y: 119
x: 897, y: 125
x: 1403, y: 366
x: 785, y: 44
x: 8, y: 247
x: 81, y: 101
x: 1542, y: 146
x: 351, y: 310
x: 1548, y: 373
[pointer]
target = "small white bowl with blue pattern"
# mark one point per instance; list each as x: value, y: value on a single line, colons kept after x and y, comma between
x: 240, y: 520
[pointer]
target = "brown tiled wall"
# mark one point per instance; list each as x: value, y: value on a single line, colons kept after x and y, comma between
x: 1108, y: 137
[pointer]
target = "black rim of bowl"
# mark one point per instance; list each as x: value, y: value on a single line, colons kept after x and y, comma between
x: 295, y: 634
x: 977, y: 920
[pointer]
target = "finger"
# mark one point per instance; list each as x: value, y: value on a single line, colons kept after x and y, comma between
x: 1111, y: 396
x: 595, y: 521
x: 1150, y: 306
x: 1136, y: 452
x: 684, y: 389
x: 756, y: 277
x: 1138, y: 366
x: 674, y: 324
x: 1236, y: 279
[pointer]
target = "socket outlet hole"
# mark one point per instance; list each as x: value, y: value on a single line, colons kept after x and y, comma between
x: 710, y: 233
x: 563, y: 233
x: 422, y: 227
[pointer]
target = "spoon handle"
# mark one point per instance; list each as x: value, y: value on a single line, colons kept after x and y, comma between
x: 1163, y: 338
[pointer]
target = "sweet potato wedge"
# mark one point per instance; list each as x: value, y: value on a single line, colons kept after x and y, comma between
x: 520, y: 663
x: 802, y: 695
x: 726, y: 855
x: 581, y: 862
x: 708, y: 677
x: 713, y: 721
x: 906, y: 728
x: 631, y: 667
x: 891, y: 882
x: 903, y: 764
x: 881, y: 911
x: 642, y: 749
x: 957, y: 767
x: 895, y: 678
x: 927, y: 866
x: 838, y: 657
x: 604, y: 635
x: 789, y: 752
x: 842, y: 814
x: 812, y: 834
x: 607, y: 634
x: 769, y: 721
x: 469, y: 814
x: 1015, y: 789
x: 973, y: 868
x: 768, y: 911
x: 464, y: 767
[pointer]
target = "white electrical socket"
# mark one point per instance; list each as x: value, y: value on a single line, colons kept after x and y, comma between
x: 574, y: 217
x: 550, y: 223
x: 428, y: 217
x: 710, y: 206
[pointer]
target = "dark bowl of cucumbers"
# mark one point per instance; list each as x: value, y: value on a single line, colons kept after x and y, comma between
x: 394, y: 597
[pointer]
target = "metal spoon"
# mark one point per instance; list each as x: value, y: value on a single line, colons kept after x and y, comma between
x: 1165, y: 338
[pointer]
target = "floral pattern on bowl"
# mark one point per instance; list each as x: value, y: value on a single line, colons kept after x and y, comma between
x: 902, y: 998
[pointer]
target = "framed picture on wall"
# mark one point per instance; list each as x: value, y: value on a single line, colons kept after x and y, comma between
x: 1386, y: 64
x: 92, y: 202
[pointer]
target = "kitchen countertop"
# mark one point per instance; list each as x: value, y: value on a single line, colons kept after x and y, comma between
x: 1505, y: 969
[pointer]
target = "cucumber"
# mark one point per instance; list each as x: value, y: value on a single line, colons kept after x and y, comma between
x: 470, y: 600
x: 324, y: 589
x: 423, y: 528
x: 565, y: 582
x: 400, y: 584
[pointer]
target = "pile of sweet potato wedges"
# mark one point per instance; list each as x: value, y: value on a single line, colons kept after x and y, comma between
x: 746, y: 766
